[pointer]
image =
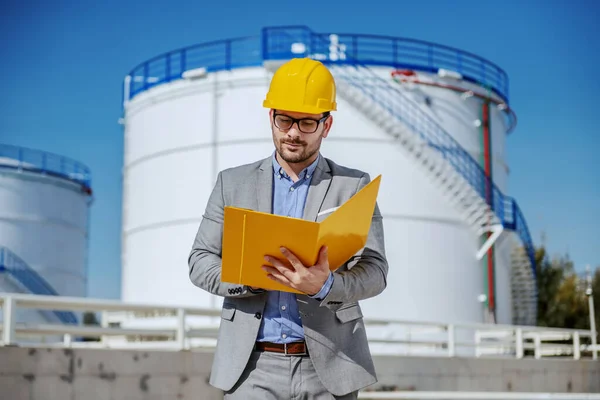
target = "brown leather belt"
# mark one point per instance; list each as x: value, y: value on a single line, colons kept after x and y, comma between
x: 289, y: 349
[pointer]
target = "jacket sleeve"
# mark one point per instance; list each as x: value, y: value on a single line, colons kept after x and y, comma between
x: 367, y: 273
x: 204, y: 261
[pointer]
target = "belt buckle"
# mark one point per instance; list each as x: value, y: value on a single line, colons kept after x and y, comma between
x: 295, y: 354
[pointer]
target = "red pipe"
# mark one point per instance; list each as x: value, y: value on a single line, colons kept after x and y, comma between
x: 489, y: 197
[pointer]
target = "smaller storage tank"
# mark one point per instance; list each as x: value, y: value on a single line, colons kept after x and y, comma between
x: 44, y: 216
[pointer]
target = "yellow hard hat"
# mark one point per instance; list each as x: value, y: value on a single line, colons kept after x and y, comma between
x: 302, y: 85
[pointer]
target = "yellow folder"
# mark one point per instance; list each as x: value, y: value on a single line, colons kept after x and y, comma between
x: 249, y: 235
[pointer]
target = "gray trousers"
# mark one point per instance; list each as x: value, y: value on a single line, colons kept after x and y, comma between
x: 274, y: 376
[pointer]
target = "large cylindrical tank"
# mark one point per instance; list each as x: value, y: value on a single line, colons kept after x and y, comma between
x: 191, y: 113
x: 44, y: 216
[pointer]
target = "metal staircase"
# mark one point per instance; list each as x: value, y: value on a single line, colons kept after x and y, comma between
x: 523, y: 282
x: 28, y: 279
x: 523, y: 287
x: 460, y: 178
x: 448, y: 165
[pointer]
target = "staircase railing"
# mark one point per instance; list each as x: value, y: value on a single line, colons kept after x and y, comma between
x: 285, y: 43
x: 515, y: 220
x: 14, y: 266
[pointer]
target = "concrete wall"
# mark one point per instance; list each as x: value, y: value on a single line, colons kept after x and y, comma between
x: 44, y: 374
x: 53, y: 374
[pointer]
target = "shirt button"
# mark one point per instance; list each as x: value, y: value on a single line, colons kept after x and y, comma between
x: 291, y: 189
x: 284, y: 336
x: 283, y: 308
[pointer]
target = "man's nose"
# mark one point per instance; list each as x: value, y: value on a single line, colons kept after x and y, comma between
x: 294, y: 130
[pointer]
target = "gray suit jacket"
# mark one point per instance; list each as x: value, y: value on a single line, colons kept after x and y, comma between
x: 334, y: 328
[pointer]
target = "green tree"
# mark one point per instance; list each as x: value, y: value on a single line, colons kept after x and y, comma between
x: 562, y: 302
x: 549, y: 279
x: 572, y: 303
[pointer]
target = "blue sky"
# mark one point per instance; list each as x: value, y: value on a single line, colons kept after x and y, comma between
x: 63, y: 66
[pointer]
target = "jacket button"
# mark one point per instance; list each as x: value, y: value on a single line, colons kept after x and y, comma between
x: 257, y: 315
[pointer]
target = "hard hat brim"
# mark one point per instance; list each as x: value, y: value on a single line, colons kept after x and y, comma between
x: 307, y: 109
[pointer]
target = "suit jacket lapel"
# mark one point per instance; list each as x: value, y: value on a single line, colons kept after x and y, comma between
x: 264, y: 186
x: 318, y: 189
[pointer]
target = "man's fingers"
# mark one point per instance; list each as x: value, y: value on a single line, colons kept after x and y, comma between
x: 283, y: 269
x: 323, y: 256
x: 275, y: 275
x: 323, y: 261
x: 294, y: 261
x: 277, y: 263
x: 275, y: 272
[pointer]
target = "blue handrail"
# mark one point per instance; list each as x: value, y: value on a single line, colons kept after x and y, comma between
x: 388, y: 96
x: 215, y: 56
x: 21, y: 158
x: 378, y: 50
x: 515, y: 220
x: 366, y: 49
x: 30, y: 279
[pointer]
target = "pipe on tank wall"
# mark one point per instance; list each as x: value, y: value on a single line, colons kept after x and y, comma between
x: 487, y: 165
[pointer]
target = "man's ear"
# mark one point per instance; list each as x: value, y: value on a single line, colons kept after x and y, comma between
x: 327, y: 126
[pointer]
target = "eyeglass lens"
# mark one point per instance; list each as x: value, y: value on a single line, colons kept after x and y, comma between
x: 305, y: 125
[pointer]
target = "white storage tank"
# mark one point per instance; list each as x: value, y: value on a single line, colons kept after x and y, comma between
x: 44, y: 217
x: 190, y: 113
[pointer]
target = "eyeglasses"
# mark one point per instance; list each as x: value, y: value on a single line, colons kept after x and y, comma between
x: 305, y: 125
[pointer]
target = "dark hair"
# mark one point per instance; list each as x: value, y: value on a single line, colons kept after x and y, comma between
x: 325, y: 114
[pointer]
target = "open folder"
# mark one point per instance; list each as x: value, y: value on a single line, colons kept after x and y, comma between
x: 250, y: 235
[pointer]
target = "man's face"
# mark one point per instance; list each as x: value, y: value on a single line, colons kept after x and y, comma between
x: 295, y: 141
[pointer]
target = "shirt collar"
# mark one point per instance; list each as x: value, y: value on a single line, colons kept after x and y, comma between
x: 305, y: 173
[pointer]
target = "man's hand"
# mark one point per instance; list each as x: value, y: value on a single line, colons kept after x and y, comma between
x: 308, y: 280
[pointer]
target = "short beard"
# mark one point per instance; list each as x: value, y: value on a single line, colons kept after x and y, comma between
x: 301, y: 156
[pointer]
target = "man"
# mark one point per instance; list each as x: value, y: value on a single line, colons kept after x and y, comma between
x: 279, y: 345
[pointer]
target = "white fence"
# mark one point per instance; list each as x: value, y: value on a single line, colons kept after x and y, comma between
x: 132, y: 325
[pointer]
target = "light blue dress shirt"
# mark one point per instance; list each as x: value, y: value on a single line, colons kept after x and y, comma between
x: 281, y: 319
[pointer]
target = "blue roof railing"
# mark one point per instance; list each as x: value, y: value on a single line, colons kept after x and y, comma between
x: 14, y: 266
x: 378, y: 50
x: 24, y: 159
x: 365, y: 49
x: 221, y: 55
